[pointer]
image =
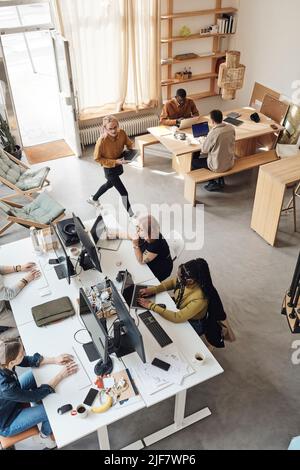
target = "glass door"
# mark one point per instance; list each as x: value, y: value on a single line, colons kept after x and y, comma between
x: 66, y: 92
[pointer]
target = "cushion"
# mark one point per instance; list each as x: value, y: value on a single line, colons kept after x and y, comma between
x: 32, y: 179
x: 42, y: 210
x: 9, y: 169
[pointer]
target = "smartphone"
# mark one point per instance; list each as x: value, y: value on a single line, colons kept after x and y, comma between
x: 161, y: 364
x: 91, y: 396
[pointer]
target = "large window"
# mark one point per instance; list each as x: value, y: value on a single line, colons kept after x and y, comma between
x: 29, y: 14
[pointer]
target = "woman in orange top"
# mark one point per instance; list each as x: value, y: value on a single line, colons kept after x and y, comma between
x: 108, y: 153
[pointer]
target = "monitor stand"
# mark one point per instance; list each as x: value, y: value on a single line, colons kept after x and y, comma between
x: 93, y: 355
x: 91, y: 352
x: 61, y: 271
x: 85, y: 262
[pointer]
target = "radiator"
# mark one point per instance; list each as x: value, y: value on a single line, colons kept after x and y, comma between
x: 134, y: 125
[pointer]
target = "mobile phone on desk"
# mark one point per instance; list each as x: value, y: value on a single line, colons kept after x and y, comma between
x: 91, y: 396
x: 161, y: 364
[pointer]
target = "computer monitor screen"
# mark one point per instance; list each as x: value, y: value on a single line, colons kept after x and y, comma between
x: 88, y: 244
x: 127, y: 288
x: 200, y: 130
x: 94, y: 327
x: 133, y: 336
x: 65, y: 270
x: 98, y: 229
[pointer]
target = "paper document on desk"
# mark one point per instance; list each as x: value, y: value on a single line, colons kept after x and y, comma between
x: 179, y: 369
x: 155, y: 379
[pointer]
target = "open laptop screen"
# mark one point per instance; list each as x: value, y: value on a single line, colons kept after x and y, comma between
x: 200, y: 130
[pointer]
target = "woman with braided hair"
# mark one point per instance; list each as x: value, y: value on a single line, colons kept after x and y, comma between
x: 196, y: 299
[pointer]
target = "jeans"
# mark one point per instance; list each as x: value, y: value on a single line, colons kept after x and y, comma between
x: 114, y: 181
x: 28, y: 417
x: 199, y: 163
x: 199, y: 326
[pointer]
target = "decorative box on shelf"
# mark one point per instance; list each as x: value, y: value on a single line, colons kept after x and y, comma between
x: 188, y: 56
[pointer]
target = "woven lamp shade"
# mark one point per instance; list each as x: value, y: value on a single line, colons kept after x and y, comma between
x: 231, y: 75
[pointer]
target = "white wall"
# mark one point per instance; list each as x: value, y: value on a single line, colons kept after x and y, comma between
x: 269, y: 40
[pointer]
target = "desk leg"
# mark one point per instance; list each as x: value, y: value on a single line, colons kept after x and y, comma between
x: 103, y: 438
x: 180, y: 422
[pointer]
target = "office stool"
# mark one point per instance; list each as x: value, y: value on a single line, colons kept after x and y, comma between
x: 292, y: 204
x: 9, y: 442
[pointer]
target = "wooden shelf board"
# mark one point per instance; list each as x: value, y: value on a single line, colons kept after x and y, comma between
x: 194, y: 36
x: 187, y: 14
x: 204, y: 94
x: 202, y: 76
x: 217, y: 55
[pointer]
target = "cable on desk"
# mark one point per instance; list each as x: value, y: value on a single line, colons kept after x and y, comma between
x: 75, y: 334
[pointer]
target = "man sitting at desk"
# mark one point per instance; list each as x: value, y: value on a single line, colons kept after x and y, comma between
x: 177, y: 109
x: 217, y: 150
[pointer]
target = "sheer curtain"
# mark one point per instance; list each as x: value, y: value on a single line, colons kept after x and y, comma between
x: 115, y: 50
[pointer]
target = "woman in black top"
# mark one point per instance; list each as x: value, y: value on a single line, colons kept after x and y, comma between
x: 152, y: 249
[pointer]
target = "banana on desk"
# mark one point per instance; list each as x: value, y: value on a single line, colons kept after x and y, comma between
x: 106, y: 403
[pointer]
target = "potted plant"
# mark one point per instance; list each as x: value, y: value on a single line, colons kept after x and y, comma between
x: 8, y: 141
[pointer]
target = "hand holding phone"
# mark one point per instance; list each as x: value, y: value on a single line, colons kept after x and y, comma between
x: 161, y: 364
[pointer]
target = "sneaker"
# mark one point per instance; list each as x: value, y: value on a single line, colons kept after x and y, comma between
x: 213, y: 186
x: 134, y: 219
x: 93, y: 202
x: 46, y: 441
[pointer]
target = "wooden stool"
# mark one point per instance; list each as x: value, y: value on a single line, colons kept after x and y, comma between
x: 9, y: 442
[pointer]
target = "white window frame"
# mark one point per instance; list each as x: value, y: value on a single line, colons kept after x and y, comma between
x: 26, y: 29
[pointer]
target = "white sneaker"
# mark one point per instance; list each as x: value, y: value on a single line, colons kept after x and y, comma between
x: 44, y: 441
x: 47, y: 442
x: 93, y: 202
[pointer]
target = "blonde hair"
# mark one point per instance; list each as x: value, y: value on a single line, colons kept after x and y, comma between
x: 150, y: 226
x: 107, y: 120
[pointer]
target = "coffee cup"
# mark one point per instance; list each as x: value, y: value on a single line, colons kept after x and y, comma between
x: 82, y: 411
x: 199, y: 358
x: 75, y: 251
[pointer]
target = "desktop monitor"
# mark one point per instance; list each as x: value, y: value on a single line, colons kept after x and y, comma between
x: 89, y: 258
x: 64, y: 268
x: 132, y: 339
x: 100, y: 340
x: 127, y: 288
x: 98, y: 229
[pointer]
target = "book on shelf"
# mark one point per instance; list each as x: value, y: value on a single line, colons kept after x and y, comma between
x: 227, y: 24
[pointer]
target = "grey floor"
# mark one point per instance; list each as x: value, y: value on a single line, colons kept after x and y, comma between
x: 255, y: 403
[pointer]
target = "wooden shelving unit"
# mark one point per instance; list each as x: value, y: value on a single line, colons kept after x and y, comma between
x: 216, y: 54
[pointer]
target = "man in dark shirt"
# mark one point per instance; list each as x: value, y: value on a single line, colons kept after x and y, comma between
x: 177, y: 109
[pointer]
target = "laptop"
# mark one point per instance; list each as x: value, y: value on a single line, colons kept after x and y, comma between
x: 130, y: 155
x: 131, y: 291
x: 186, y: 123
x: 200, y: 130
x: 98, y: 233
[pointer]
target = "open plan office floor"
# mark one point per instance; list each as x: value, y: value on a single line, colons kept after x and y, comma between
x: 255, y: 403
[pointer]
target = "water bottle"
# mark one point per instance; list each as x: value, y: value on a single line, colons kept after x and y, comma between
x: 34, y: 239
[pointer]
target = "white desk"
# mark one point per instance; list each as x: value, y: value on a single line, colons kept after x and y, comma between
x: 59, y: 338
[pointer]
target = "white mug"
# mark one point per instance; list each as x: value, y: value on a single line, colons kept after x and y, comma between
x: 82, y: 411
x: 199, y: 358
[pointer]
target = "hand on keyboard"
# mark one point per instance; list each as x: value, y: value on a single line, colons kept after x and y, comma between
x: 146, y: 293
x: 144, y: 303
x: 28, y: 267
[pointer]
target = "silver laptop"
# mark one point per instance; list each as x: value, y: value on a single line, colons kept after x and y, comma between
x: 186, y: 123
x: 98, y: 233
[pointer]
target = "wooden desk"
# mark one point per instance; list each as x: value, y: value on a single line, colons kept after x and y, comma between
x: 272, y: 182
x: 246, y: 138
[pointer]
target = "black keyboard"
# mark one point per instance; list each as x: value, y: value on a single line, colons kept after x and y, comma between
x: 155, y: 329
x: 234, y: 122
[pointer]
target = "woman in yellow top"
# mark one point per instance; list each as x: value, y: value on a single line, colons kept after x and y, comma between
x: 108, y: 152
x: 192, y: 290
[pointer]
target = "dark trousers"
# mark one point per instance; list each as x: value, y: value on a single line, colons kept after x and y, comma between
x: 199, y: 163
x: 114, y: 181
